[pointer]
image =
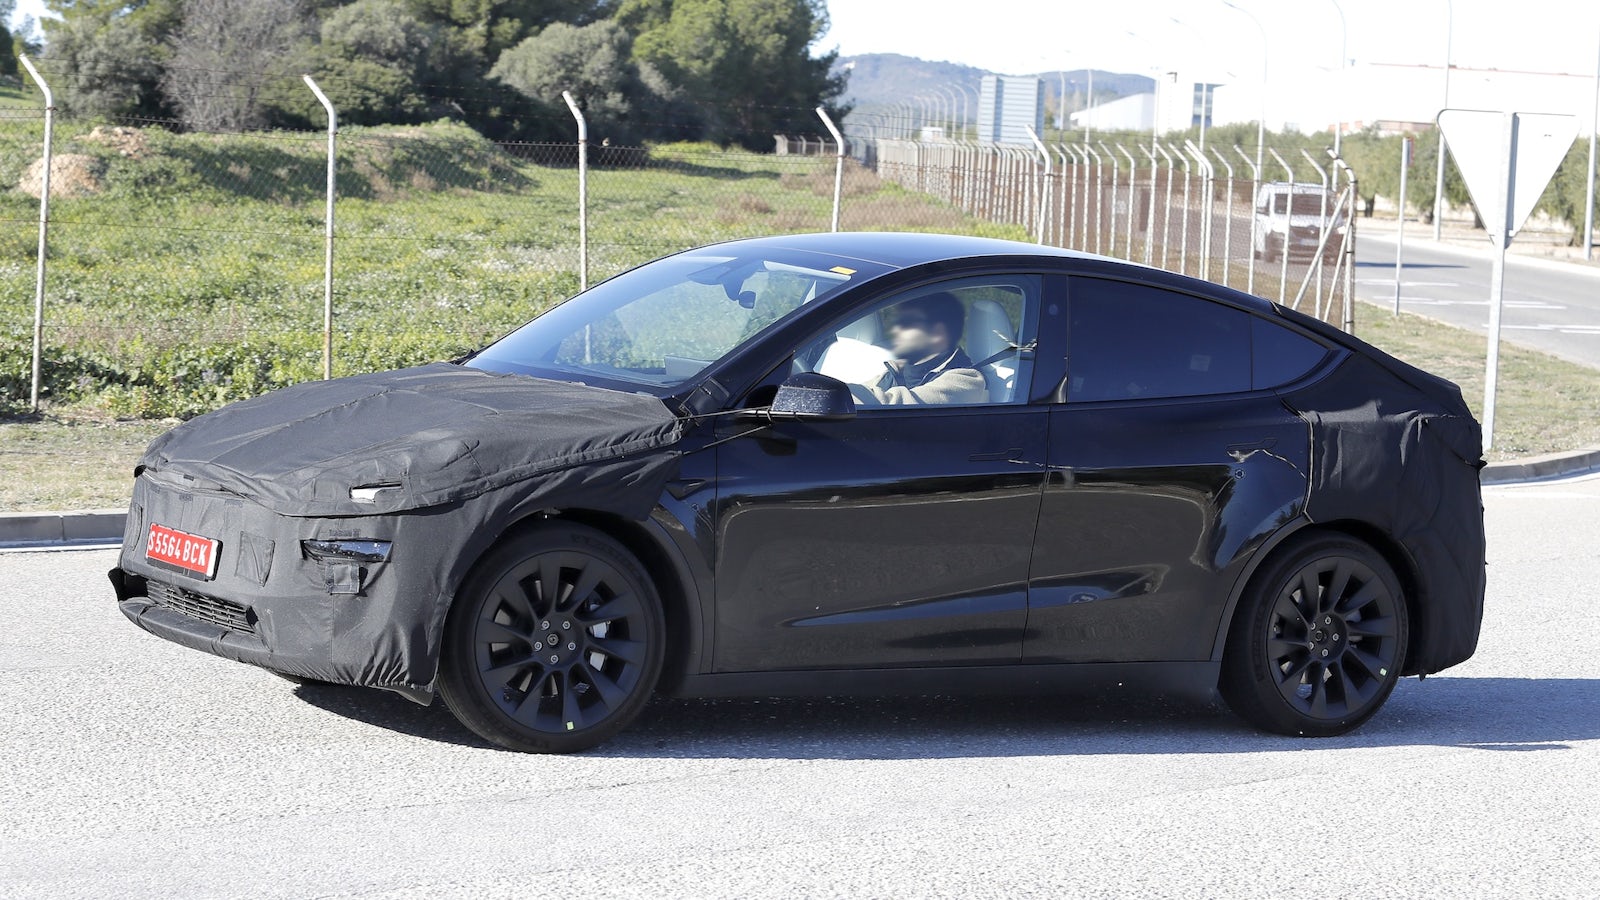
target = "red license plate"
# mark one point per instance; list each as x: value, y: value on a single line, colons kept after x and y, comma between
x: 190, y: 553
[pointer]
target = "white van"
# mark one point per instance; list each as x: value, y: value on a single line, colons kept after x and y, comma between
x: 1296, y: 228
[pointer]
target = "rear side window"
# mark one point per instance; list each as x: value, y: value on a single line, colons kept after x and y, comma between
x: 1280, y: 355
x: 1135, y: 342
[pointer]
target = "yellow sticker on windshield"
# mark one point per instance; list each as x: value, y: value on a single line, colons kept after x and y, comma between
x: 841, y: 270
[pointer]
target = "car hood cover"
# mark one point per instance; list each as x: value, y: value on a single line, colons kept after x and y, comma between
x: 430, y: 435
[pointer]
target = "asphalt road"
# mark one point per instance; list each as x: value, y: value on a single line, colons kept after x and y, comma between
x: 132, y: 767
x: 1548, y: 306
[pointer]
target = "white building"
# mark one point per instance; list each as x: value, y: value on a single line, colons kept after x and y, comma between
x: 1135, y: 112
x: 1008, y: 106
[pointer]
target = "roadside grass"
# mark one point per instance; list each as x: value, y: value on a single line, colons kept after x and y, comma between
x: 1545, y: 404
x: 70, y: 462
x: 188, y: 273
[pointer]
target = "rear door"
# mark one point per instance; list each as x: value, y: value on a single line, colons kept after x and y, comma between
x: 1170, y: 458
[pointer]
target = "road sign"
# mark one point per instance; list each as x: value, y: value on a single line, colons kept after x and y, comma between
x: 1506, y: 159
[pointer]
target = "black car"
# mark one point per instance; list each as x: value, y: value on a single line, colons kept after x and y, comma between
x: 851, y: 463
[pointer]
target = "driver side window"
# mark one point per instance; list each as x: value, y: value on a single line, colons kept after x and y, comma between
x: 961, y: 342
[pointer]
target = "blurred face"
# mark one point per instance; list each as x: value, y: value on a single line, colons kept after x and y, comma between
x: 912, y: 337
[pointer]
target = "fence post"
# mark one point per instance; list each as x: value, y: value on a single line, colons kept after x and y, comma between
x: 1227, y: 215
x: 1133, y: 173
x: 327, y: 256
x: 1349, y: 247
x: 1150, y: 205
x: 583, y: 191
x: 1183, y: 229
x: 1322, y: 226
x: 44, y: 232
x: 1115, y: 174
x: 1044, y: 200
x: 1166, y: 215
x: 1099, y: 199
x: 1255, y: 188
x: 1283, y: 257
x: 1070, y: 172
x: 838, y: 163
x: 1207, y: 177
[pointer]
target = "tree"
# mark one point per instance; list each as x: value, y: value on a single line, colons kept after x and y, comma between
x: 595, y: 63
x: 8, y: 50
x: 110, y: 52
x: 746, y: 63
x: 1568, y: 191
x: 375, y: 57
x: 483, y: 29
x: 222, y: 53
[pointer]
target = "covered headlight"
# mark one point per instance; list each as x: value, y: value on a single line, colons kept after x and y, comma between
x: 348, y: 550
x: 346, y: 564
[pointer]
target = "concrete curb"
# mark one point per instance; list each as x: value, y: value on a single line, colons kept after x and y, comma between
x: 103, y: 527
x: 21, y: 531
x: 1537, y: 468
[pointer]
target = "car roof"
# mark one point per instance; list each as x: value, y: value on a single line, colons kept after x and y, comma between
x: 903, y: 250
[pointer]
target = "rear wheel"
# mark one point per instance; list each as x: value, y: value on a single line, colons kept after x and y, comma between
x: 554, y: 643
x: 1319, y: 639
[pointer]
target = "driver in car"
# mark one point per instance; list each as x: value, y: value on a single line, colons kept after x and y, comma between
x: 929, y: 365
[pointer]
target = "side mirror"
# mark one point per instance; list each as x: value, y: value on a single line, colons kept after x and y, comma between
x: 807, y: 396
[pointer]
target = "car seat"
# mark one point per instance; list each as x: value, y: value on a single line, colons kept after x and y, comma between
x: 989, y: 336
x: 857, y: 354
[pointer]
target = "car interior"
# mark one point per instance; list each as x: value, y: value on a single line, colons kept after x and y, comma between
x: 858, y: 352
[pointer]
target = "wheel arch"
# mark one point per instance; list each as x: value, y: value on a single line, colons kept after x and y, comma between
x: 664, y: 563
x: 1392, y: 551
x: 668, y: 571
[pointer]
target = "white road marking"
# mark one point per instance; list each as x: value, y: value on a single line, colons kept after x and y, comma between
x: 1390, y: 282
x: 1562, y: 329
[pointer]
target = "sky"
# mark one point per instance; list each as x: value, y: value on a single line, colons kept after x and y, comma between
x: 1208, y: 38
x: 1140, y: 36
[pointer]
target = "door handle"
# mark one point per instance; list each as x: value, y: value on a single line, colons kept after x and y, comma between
x: 1006, y: 455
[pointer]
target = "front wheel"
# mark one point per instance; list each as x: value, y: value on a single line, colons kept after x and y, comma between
x: 554, y: 643
x: 1318, y: 641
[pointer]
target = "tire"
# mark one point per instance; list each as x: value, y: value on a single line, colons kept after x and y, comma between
x: 1316, y: 675
x: 543, y: 671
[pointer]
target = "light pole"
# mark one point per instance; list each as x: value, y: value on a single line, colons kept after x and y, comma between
x: 1438, y: 181
x: 1338, y: 125
x: 1061, y: 103
x: 966, y: 117
x: 1594, y: 126
x: 1088, y: 106
x: 1261, y: 122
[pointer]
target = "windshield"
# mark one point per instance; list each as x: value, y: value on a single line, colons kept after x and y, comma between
x: 660, y: 325
x: 1308, y: 203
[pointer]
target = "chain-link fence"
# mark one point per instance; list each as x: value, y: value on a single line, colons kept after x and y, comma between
x: 185, y: 268
x: 1280, y: 230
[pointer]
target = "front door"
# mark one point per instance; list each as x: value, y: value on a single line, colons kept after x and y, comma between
x: 901, y: 537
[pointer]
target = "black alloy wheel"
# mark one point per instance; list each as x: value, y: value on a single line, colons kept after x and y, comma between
x: 1319, y: 640
x: 555, y: 642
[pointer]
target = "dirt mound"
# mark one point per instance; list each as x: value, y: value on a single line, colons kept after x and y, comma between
x: 71, y: 175
x: 129, y: 142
